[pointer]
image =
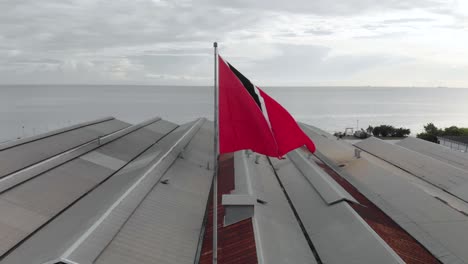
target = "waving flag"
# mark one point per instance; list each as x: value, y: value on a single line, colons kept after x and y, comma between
x: 250, y: 119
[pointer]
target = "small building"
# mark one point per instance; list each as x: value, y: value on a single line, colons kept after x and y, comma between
x: 459, y: 143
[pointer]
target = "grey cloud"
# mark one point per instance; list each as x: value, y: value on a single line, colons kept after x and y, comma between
x: 327, y: 7
x: 318, y: 32
x: 407, y: 20
x: 316, y: 63
x: 169, y: 42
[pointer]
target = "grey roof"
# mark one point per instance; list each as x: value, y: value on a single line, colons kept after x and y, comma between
x: 441, y: 174
x: 338, y: 233
x: 434, y: 217
x: 436, y: 151
x: 20, y: 154
x: 75, y: 210
x: 278, y: 236
x: 108, y: 192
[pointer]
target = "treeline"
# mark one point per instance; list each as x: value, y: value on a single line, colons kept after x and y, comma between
x: 388, y: 131
x: 431, y: 132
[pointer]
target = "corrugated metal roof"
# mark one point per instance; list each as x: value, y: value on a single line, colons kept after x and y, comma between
x: 27, y: 173
x: 279, y: 238
x: 447, y: 177
x: 100, y: 235
x: 21, y: 141
x: 106, y: 203
x: 404, y: 244
x: 436, y: 151
x: 406, y: 199
x: 338, y: 224
x: 329, y: 190
x: 80, y: 235
x: 166, y: 227
x: 28, y: 153
x: 54, y: 190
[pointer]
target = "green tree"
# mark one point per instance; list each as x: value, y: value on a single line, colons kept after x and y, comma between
x: 376, y: 131
x: 431, y: 133
x: 386, y: 130
x: 401, y: 132
x: 452, y: 131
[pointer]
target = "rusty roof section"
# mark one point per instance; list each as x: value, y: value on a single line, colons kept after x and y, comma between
x: 236, y: 242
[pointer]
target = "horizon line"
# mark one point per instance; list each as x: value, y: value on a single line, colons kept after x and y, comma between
x: 198, y: 85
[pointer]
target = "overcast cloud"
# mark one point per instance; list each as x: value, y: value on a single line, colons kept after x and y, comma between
x: 275, y: 42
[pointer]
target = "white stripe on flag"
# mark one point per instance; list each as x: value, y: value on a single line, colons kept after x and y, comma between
x: 262, y: 105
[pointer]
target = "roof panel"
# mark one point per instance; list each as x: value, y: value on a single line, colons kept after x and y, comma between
x: 9, y: 236
x: 329, y: 190
x: 54, y: 190
x: 200, y: 150
x: 11, y: 144
x: 24, y: 155
x: 53, y: 240
x: 436, y: 151
x: 130, y: 145
x: 441, y: 174
x: 401, y: 196
x: 338, y: 233
x: 168, y: 221
x: 279, y: 238
x: 163, y: 127
x: 104, y: 128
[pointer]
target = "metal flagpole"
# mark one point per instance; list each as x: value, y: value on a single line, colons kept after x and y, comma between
x: 215, y: 167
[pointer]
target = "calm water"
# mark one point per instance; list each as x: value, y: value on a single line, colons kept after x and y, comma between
x: 42, y: 108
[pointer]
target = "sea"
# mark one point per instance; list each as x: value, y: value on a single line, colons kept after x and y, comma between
x: 27, y: 110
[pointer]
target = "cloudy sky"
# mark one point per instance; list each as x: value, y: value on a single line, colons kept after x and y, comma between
x: 275, y: 42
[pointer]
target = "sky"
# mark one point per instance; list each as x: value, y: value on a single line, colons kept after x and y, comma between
x: 421, y: 43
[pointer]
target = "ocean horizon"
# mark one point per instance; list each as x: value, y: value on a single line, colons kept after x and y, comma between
x: 26, y: 110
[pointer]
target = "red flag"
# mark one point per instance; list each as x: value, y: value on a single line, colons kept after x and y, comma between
x: 250, y: 119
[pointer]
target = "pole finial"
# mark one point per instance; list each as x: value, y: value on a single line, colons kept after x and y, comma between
x: 215, y: 44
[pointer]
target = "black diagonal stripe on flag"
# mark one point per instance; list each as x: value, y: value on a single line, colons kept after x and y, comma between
x: 247, y: 85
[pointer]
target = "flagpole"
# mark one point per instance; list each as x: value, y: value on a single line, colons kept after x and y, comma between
x: 215, y: 167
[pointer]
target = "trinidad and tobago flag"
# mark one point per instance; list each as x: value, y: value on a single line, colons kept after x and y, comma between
x: 250, y: 119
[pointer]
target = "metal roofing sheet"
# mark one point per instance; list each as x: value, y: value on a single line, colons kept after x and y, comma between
x: 51, y: 133
x: 47, y: 195
x: 25, y: 174
x: 96, y: 238
x: 436, y: 151
x: 56, y: 189
x: 441, y: 174
x: 330, y: 191
x: 105, y: 127
x: 21, y: 156
x: 200, y: 150
x: 279, y: 238
x: 400, y: 197
x: 166, y: 227
x: 408, y: 248
x: 325, y: 141
x: 51, y: 241
x: 162, y: 128
x: 129, y: 146
x: 338, y: 233
x: 408, y: 204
